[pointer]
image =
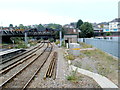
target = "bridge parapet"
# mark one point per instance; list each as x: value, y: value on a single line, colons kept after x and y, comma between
x: 21, y: 33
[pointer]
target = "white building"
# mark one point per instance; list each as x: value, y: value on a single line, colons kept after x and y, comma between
x: 114, y: 25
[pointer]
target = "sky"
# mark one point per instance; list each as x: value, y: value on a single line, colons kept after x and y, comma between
x: 29, y: 12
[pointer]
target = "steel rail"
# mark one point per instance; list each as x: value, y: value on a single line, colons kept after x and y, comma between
x: 4, y: 61
x: 17, y: 63
x: 38, y: 69
x: 3, y: 84
x: 22, y: 58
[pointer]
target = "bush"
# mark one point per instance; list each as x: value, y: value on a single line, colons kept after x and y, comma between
x: 63, y: 43
x: 51, y: 40
x: 21, y: 46
x: 108, y: 34
x: 57, y: 42
x: 70, y: 57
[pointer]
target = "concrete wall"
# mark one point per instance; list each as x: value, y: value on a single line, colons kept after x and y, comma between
x: 109, y: 46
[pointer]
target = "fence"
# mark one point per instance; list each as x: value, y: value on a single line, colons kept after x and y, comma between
x: 109, y: 46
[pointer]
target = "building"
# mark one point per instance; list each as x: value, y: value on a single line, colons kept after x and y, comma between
x: 70, y: 38
x: 96, y: 28
x: 71, y: 34
x: 70, y: 29
x: 114, y: 25
x: 104, y: 26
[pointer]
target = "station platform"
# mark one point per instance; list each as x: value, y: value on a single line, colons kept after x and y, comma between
x: 9, y: 51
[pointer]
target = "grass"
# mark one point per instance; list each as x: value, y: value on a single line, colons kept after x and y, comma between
x: 20, y: 46
x: 57, y: 42
x: 106, y: 65
x: 70, y: 57
x: 98, y: 54
x: 33, y: 43
x: 81, y: 56
x: 89, y: 68
x: 72, y: 77
x: 85, y: 45
x: 77, y: 64
x: 103, y: 70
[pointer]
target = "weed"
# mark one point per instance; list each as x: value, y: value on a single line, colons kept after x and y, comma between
x: 70, y: 57
x: 106, y: 63
x: 85, y: 45
x: 89, y: 68
x: 77, y: 64
x: 81, y: 56
x: 72, y: 77
x: 63, y: 44
x: 57, y: 42
x: 103, y: 70
x: 21, y: 46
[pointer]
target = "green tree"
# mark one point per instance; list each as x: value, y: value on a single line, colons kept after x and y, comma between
x: 57, y: 33
x: 21, y: 26
x: 79, y: 23
x: 86, y: 30
x: 101, y: 26
x: 11, y: 25
x: 108, y: 34
x: 40, y: 27
x: 53, y: 26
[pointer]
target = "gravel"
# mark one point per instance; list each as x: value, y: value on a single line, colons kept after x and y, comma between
x: 61, y: 80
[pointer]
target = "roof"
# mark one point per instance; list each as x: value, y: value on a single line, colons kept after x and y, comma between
x: 71, y: 34
x: 95, y: 28
x: 105, y: 23
x: 116, y: 20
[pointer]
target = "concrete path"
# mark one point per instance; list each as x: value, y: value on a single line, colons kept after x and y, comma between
x: 61, y: 62
x: 101, y: 80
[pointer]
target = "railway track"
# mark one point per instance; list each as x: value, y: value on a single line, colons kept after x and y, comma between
x: 6, y: 60
x: 17, y: 59
x: 23, y: 77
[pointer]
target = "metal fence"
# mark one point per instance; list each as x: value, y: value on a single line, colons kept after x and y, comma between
x: 109, y: 46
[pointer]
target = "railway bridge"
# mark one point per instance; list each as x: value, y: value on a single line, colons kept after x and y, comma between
x: 7, y: 34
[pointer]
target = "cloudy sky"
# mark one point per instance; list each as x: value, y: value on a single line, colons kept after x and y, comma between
x: 30, y: 12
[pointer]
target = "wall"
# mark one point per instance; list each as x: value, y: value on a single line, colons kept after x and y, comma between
x: 109, y: 46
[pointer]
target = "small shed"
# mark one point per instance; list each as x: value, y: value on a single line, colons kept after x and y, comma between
x: 70, y: 38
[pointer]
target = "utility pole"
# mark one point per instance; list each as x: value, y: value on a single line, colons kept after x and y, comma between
x: 26, y: 42
x: 60, y: 33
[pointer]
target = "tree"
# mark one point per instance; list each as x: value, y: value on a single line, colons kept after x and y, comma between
x: 21, y: 26
x: 108, y: 34
x: 57, y: 33
x: 11, y: 25
x: 101, y: 26
x: 86, y: 30
x: 40, y: 27
x: 79, y: 23
x: 53, y: 26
